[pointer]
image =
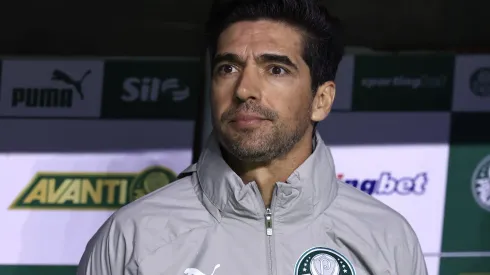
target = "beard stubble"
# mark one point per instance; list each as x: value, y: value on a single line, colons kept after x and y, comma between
x: 264, y: 143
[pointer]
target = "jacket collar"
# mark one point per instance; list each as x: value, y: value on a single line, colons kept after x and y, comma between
x: 307, y: 193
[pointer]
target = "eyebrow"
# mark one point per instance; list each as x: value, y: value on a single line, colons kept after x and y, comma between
x: 263, y: 58
x: 276, y: 58
x: 227, y: 57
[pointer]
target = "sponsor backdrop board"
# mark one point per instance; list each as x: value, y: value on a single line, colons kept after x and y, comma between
x: 81, y: 138
x: 151, y: 89
x: 401, y: 161
x: 65, y: 168
x: 48, y: 88
x: 76, y: 193
x: 472, y: 86
x: 466, y: 242
x: 419, y: 181
x: 403, y: 83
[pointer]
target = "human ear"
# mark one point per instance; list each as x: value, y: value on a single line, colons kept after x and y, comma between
x: 323, y: 100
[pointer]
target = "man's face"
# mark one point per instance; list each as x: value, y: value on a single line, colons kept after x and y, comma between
x: 261, y: 90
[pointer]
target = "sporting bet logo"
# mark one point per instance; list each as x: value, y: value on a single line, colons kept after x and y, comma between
x: 387, y: 184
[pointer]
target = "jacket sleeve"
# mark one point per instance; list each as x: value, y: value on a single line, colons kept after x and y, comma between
x: 106, y: 252
x: 408, y: 255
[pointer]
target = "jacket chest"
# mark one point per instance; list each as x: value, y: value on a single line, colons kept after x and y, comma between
x: 246, y: 251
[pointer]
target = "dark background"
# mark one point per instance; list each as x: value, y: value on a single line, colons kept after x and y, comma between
x: 173, y: 27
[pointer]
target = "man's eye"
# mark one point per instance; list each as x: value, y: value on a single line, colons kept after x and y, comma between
x: 276, y: 70
x: 226, y: 69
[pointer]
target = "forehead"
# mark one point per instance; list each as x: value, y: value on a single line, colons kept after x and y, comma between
x: 254, y: 37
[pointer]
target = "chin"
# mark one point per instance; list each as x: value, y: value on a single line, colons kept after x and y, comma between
x: 246, y: 137
x: 242, y: 140
x: 250, y: 153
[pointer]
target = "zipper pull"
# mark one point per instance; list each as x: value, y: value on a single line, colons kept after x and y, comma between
x: 268, y: 221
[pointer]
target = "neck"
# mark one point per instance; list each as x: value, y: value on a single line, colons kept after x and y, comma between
x: 278, y: 170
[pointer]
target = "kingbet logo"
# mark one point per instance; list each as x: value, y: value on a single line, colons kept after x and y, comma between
x: 388, y: 184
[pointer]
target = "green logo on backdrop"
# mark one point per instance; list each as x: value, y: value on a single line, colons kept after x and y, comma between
x: 151, y: 89
x: 53, y: 190
x: 480, y: 183
x: 403, y: 83
x: 467, y: 210
x: 480, y: 82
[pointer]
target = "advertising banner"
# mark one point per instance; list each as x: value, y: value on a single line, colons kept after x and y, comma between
x: 400, y: 159
x: 49, y: 88
x: 403, y: 83
x: 401, y: 177
x: 54, y: 203
x: 466, y: 242
x: 472, y: 83
x: 63, y: 178
x: 151, y: 89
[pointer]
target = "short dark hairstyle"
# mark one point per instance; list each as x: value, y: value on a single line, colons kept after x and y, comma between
x: 323, y: 45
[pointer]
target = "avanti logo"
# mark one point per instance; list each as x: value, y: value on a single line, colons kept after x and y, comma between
x: 153, y: 89
x: 50, y: 97
x: 386, y: 184
x: 78, y: 190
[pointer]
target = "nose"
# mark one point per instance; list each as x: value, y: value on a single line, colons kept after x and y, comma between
x: 248, y: 85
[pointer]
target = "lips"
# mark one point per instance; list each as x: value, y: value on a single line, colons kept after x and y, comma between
x: 247, y: 118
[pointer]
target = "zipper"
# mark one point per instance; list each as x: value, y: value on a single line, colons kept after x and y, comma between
x: 269, y: 228
x: 269, y: 221
x: 268, y: 233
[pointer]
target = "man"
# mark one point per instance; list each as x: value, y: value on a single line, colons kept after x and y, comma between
x: 263, y: 197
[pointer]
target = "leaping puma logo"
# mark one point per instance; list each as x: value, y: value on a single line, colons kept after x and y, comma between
x: 64, y: 77
x: 195, y: 271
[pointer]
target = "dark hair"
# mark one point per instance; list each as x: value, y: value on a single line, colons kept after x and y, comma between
x: 323, y: 46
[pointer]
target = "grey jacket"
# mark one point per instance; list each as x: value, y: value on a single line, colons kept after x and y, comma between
x: 210, y: 222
